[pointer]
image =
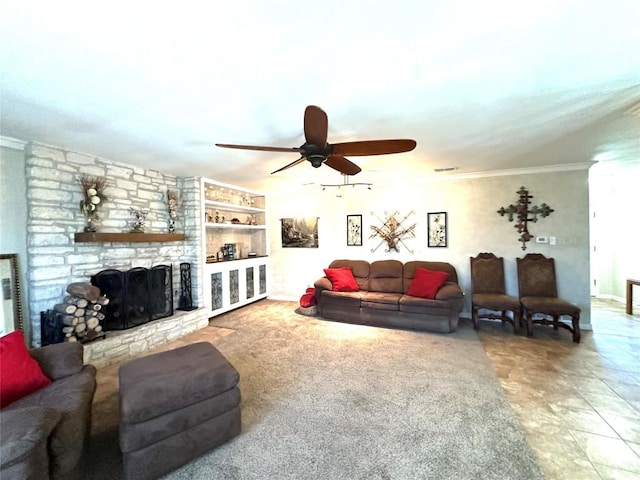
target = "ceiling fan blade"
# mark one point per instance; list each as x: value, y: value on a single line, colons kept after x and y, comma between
x: 257, y: 147
x: 316, y: 126
x: 292, y: 164
x: 338, y: 162
x: 373, y: 147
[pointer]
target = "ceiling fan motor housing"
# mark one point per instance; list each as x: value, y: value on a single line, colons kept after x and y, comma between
x: 316, y: 160
x: 315, y: 154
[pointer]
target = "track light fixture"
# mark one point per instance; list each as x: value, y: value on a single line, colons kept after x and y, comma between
x: 345, y: 183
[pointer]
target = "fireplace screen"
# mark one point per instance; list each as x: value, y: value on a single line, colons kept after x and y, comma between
x: 137, y: 296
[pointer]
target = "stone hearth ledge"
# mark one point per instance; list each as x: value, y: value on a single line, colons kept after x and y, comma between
x: 120, y: 345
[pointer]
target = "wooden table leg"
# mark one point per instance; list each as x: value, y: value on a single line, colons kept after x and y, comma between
x: 630, y: 284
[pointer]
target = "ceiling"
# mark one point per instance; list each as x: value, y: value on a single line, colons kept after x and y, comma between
x: 481, y: 86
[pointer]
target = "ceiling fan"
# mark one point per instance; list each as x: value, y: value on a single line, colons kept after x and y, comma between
x: 317, y: 151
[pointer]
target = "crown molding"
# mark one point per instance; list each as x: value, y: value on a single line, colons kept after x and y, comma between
x: 564, y: 167
x: 12, y: 143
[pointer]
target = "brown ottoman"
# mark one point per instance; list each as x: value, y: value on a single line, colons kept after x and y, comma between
x: 175, y: 406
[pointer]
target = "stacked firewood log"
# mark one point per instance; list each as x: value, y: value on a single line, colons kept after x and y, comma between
x: 80, y: 312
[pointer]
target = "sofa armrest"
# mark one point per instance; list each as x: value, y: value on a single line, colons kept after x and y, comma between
x: 449, y: 291
x: 59, y: 360
x: 323, y: 284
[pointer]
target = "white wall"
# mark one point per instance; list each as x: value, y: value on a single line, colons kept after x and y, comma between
x: 474, y: 226
x: 614, y: 202
x: 13, y: 212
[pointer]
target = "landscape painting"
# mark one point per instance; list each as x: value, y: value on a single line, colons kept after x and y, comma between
x: 300, y: 232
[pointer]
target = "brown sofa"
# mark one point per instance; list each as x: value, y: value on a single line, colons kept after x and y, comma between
x: 382, y: 299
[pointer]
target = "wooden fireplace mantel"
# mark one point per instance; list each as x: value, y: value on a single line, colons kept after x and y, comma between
x: 99, y: 237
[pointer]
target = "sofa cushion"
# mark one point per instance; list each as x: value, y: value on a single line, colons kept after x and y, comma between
x: 425, y: 306
x: 344, y: 299
x: 426, y: 283
x: 20, y: 374
x: 386, y: 276
x: 342, y: 280
x: 381, y: 301
x: 381, y: 297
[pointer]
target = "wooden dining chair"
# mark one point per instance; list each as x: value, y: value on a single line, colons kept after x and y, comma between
x: 488, y: 292
x: 538, y: 295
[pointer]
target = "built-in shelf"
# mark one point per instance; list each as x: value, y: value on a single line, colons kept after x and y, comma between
x: 98, y: 237
x: 235, y: 259
x: 232, y: 206
x: 234, y: 226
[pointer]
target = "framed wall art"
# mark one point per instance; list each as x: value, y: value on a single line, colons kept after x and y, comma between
x: 299, y: 232
x: 354, y: 230
x: 437, y: 224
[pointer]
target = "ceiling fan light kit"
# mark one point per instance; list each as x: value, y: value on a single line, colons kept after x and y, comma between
x: 317, y: 151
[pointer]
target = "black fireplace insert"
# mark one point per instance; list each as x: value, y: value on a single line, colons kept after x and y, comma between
x: 137, y: 296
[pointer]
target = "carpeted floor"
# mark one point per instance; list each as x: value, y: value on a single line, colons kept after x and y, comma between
x: 325, y: 400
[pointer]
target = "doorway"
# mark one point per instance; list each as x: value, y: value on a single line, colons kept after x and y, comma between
x: 613, y: 211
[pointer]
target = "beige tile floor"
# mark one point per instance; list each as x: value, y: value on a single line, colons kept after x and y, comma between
x: 578, y: 404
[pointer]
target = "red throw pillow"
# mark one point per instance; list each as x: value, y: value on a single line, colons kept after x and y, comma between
x: 426, y: 283
x: 20, y: 374
x: 342, y: 280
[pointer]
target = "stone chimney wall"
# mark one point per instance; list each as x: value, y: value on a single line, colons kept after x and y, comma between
x: 53, y: 196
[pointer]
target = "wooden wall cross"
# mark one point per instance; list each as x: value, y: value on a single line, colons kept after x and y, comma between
x: 524, y: 214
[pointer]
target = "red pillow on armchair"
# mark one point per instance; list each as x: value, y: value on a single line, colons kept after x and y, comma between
x: 20, y: 374
x: 426, y: 283
x: 342, y: 280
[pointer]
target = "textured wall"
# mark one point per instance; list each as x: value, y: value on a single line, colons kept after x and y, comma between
x: 13, y: 216
x: 474, y: 226
x: 53, y: 196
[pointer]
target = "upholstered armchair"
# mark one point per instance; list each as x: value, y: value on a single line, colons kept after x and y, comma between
x: 538, y: 295
x: 45, y: 432
x: 488, y: 292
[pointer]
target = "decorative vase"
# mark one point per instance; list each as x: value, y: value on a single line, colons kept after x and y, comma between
x: 90, y: 226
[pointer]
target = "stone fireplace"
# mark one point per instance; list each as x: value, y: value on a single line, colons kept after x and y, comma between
x: 55, y: 259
